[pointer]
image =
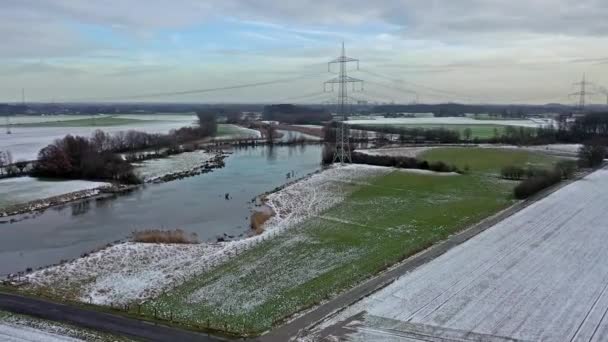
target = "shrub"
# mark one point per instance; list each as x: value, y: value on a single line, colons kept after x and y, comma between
x: 164, y: 236
x: 440, y: 166
x: 592, y: 154
x: 512, y: 172
x: 327, y: 155
x: 402, y: 162
x: 567, y: 168
x: 537, y: 183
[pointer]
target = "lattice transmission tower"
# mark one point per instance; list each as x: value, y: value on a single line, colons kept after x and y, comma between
x: 583, y: 93
x: 343, y: 152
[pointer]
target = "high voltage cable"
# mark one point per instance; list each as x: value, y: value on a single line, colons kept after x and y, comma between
x: 431, y: 89
x: 196, y: 91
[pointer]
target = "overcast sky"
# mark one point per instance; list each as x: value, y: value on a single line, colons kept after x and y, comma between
x: 445, y: 50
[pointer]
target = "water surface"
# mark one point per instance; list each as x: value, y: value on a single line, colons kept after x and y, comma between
x: 195, y: 204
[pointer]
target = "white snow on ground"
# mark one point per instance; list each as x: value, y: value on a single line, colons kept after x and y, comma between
x: 315, y: 194
x: 20, y: 333
x: 30, y: 119
x: 25, y: 189
x: 564, y: 148
x: 540, y: 274
x: 136, y: 271
x: 155, y: 168
x: 447, y: 121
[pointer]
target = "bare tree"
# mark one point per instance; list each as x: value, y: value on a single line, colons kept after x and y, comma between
x: 2, y: 162
x: 467, y: 133
x: 270, y: 133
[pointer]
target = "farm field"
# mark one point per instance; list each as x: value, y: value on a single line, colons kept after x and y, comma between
x: 229, y: 131
x: 448, y: 121
x: 479, y: 131
x: 385, y: 218
x: 485, y: 160
x: 538, y: 275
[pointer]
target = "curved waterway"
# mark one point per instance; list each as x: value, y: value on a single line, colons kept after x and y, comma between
x: 195, y: 204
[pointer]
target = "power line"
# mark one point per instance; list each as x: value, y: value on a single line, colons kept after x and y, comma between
x: 196, y: 91
x: 417, y: 85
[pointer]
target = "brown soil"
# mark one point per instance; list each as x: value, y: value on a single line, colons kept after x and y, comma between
x: 164, y: 236
x: 258, y: 218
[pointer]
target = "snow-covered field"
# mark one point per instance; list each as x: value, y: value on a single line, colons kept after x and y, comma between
x: 539, y: 275
x: 155, y: 168
x: 410, y: 152
x: 26, y: 189
x: 448, y: 121
x: 135, y: 271
x: 560, y: 148
x: 27, y: 119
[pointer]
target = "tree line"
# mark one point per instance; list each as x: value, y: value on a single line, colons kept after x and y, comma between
x: 97, y: 157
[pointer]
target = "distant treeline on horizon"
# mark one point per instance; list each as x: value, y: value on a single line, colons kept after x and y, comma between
x: 445, y: 109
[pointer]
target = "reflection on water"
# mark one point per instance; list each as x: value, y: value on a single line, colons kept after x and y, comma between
x: 195, y: 204
x: 80, y: 208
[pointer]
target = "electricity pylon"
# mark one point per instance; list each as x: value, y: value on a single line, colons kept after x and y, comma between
x: 342, y: 154
x: 582, y: 94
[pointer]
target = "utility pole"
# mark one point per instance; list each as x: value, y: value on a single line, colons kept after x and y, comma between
x: 582, y: 94
x: 343, y: 153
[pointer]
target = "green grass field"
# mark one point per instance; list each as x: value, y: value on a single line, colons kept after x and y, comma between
x: 228, y: 129
x: 103, y: 121
x: 480, y: 131
x: 486, y: 160
x: 379, y: 224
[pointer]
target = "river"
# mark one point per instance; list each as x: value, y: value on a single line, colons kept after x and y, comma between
x: 195, y: 204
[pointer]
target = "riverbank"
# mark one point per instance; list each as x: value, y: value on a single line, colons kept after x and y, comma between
x: 214, y: 162
x: 134, y: 272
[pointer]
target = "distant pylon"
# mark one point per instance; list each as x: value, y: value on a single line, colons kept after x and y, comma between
x: 343, y: 153
x: 8, y: 125
x: 582, y: 94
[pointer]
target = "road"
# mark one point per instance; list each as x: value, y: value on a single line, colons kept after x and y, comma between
x: 96, y: 320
